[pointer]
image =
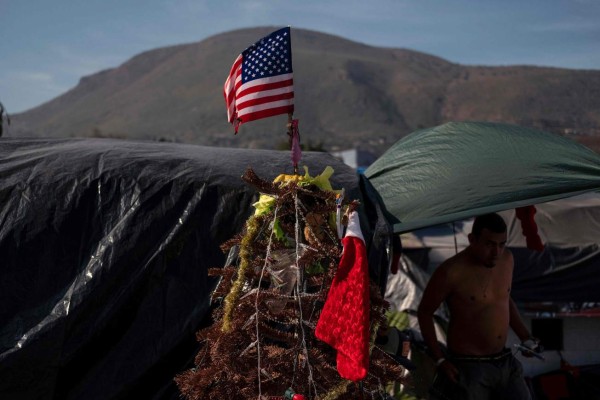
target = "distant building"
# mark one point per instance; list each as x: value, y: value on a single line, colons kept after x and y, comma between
x: 355, y: 158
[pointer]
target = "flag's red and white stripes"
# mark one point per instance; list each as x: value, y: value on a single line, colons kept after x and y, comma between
x: 262, y: 97
x: 235, y: 77
x: 259, y: 98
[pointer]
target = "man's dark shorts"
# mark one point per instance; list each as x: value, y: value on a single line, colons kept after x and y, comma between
x: 495, y: 377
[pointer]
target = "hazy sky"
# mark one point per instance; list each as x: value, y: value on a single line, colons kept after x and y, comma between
x: 46, y: 46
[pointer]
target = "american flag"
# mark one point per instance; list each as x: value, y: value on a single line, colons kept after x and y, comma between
x: 260, y: 83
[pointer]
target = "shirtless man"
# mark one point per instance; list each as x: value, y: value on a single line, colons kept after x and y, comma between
x: 476, y: 283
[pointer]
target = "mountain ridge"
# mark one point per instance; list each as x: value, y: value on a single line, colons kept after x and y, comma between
x: 356, y: 95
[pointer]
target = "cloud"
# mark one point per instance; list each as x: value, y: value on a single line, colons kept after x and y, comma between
x: 572, y: 26
x: 63, y: 66
x: 35, y: 77
x: 71, y: 61
x: 23, y: 89
x: 39, y: 81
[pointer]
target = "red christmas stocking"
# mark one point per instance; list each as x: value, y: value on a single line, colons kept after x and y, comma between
x: 344, y: 320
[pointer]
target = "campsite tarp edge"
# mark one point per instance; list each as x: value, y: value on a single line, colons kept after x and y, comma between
x: 458, y: 216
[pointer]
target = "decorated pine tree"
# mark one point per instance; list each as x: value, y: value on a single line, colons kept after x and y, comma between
x: 293, y: 308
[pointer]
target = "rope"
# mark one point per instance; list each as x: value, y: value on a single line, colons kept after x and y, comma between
x: 298, y: 291
x: 455, y: 241
x: 262, y: 272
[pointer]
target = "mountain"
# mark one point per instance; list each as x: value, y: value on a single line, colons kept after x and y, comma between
x: 347, y: 94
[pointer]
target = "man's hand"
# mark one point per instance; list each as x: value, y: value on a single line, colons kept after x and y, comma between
x: 449, y: 370
x: 531, y: 348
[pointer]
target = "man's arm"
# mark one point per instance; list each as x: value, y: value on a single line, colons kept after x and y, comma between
x: 518, y: 326
x: 433, y: 296
x: 516, y: 323
x: 435, y: 293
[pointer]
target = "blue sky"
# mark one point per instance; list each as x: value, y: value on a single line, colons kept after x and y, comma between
x: 47, y: 46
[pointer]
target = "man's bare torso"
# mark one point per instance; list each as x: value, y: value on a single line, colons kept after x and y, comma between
x: 479, y: 305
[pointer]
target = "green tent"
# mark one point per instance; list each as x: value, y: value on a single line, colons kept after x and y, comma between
x: 463, y: 169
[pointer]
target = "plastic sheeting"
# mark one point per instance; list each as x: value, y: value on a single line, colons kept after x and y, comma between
x: 105, y: 246
x: 462, y: 169
x: 565, y: 271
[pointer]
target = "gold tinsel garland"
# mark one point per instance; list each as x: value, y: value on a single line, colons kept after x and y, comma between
x: 252, y: 228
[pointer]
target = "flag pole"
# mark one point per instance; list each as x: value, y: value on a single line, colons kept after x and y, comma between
x: 294, y: 140
x: 289, y: 124
x: 290, y: 132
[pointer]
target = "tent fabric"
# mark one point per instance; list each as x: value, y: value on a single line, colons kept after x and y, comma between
x: 462, y: 169
x: 105, y: 248
x: 565, y: 271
